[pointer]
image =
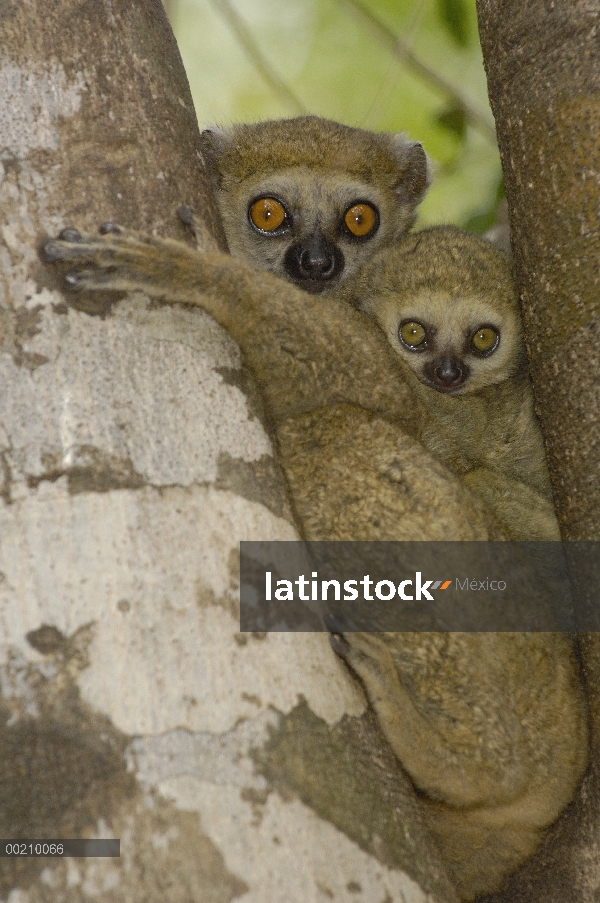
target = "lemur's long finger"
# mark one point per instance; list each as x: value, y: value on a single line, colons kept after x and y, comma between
x: 57, y: 249
x: 68, y: 246
x: 97, y: 251
x: 113, y: 279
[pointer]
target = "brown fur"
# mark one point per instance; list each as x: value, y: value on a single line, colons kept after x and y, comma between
x: 326, y: 146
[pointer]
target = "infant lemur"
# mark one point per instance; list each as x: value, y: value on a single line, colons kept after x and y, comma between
x: 446, y: 302
x: 490, y: 727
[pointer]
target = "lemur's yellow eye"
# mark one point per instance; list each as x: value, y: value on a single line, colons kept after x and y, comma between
x: 267, y: 214
x: 361, y: 220
x: 485, y: 339
x: 413, y: 335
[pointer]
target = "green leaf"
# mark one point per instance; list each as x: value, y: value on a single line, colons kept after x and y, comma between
x: 454, y: 15
x: 454, y: 120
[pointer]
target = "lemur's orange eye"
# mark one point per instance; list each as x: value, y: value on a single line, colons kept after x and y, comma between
x: 361, y: 220
x: 267, y: 214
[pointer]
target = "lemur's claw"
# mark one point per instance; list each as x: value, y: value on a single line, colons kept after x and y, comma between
x: 339, y: 644
x: 110, y: 228
x: 70, y: 234
x: 73, y: 279
x: 186, y: 215
x: 51, y: 251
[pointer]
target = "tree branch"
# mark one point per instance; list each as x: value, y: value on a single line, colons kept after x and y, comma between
x: 243, y: 35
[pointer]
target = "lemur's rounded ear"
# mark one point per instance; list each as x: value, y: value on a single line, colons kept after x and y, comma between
x: 214, y: 144
x: 416, y: 177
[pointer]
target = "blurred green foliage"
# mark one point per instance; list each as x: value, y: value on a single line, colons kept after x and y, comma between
x: 264, y: 59
x: 455, y: 15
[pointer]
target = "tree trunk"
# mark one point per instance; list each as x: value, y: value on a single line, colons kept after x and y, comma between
x: 133, y: 461
x: 543, y: 70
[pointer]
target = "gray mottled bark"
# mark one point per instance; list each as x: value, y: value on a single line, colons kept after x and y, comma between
x: 543, y: 66
x: 132, y: 461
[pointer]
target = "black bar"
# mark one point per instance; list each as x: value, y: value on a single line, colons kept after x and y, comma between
x: 342, y: 587
x: 60, y: 847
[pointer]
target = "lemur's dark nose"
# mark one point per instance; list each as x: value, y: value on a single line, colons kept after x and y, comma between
x: 313, y: 262
x: 317, y: 262
x: 448, y: 373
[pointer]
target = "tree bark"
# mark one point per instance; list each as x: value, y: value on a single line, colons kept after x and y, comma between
x: 543, y: 69
x: 133, y: 461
